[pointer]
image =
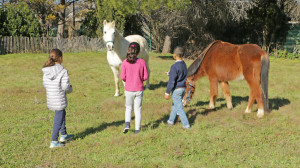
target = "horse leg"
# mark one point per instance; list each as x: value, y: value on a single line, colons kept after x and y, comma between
x: 213, y: 93
x: 226, y: 92
x: 250, y: 102
x: 147, y: 84
x: 259, y: 100
x: 253, y: 79
x: 116, y: 77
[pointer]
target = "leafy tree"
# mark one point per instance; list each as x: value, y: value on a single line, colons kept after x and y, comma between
x: 3, y: 21
x: 21, y: 21
x: 267, y: 22
x: 90, y: 25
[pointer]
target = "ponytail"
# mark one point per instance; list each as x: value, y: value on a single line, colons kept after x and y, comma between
x: 55, y: 58
x: 133, y: 51
x: 49, y: 62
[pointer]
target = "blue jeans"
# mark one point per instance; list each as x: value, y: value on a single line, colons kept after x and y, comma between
x: 177, y: 107
x: 59, y: 124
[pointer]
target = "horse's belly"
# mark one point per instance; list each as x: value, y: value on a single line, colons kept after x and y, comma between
x: 239, y: 77
x: 113, y: 59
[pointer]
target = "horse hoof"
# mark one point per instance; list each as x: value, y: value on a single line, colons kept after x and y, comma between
x: 247, y: 110
x: 211, y: 107
x: 260, y: 113
x: 117, y: 94
x: 230, y: 107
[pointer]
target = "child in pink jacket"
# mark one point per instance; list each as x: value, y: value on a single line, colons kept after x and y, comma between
x: 133, y: 72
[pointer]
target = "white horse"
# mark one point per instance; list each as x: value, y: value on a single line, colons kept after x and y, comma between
x: 117, y: 47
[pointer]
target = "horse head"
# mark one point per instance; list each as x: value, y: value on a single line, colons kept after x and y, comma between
x: 109, y: 32
x: 190, y: 89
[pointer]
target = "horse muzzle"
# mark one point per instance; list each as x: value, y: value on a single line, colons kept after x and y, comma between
x: 110, y: 47
x: 185, y: 102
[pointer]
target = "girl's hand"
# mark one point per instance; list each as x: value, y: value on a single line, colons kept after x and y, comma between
x: 167, y: 73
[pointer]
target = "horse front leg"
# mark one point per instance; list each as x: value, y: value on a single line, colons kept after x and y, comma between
x: 213, y: 93
x: 116, y: 78
x: 227, y: 95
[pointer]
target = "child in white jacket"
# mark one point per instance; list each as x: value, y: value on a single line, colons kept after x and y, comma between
x: 56, y: 82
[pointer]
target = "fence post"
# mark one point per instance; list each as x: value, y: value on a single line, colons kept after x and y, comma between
x: 11, y: 44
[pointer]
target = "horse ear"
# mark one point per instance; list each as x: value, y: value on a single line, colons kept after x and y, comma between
x: 104, y: 22
x: 113, y: 23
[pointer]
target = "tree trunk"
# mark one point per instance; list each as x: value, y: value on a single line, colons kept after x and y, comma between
x: 61, y: 22
x: 167, y: 45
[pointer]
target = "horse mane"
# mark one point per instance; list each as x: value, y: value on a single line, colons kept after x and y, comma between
x: 193, y: 68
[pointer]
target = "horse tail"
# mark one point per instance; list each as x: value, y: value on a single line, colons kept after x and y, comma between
x: 264, y: 76
x: 193, y: 68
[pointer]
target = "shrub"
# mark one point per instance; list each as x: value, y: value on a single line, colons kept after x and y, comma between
x: 21, y: 21
x: 279, y: 53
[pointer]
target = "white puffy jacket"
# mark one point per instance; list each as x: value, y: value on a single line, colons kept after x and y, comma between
x: 56, y: 82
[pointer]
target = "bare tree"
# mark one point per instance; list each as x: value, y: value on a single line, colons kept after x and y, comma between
x: 238, y: 9
x: 61, y: 19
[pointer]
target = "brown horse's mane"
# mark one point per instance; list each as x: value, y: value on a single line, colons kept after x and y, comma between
x: 193, y: 68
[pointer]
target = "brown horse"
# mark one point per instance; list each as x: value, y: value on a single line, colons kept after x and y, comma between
x: 223, y: 62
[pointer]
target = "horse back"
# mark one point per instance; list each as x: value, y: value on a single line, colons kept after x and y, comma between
x: 222, y: 62
x: 227, y: 62
x: 143, y: 45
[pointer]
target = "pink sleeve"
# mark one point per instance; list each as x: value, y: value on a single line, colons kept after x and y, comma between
x: 123, y: 72
x: 146, y: 75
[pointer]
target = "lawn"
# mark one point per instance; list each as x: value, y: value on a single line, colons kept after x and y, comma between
x: 217, y: 138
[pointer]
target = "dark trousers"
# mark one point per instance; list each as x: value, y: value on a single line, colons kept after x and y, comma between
x: 59, y: 124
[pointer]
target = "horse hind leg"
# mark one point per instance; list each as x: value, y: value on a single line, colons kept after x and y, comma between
x: 213, y: 93
x: 259, y: 100
x: 250, y: 102
x: 116, y: 78
x: 253, y: 80
x: 227, y: 95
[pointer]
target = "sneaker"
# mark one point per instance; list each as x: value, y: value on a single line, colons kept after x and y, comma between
x: 136, y: 131
x: 187, y: 126
x: 170, y: 123
x: 125, y: 130
x: 64, y: 138
x: 56, y: 144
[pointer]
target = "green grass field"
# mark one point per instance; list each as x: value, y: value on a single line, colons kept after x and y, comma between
x: 217, y: 138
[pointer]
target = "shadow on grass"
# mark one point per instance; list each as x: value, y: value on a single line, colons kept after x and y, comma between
x: 158, y: 85
x: 155, y: 124
x: 93, y: 130
x: 166, y: 57
x: 193, y: 113
x: 274, y: 104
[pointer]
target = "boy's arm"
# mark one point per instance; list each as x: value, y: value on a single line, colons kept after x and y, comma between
x: 65, y: 85
x: 123, y: 72
x: 172, y: 80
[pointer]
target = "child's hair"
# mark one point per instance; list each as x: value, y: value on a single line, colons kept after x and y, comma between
x: 179, y: 51
x: 133, y: 51
x: 56, y: 56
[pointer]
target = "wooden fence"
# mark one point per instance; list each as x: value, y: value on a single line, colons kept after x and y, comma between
x: 9, y: 44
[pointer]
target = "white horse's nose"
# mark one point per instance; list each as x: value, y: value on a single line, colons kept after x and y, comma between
x: 110, y: 46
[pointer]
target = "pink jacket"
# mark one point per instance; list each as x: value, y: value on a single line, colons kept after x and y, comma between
x: 134, y: 74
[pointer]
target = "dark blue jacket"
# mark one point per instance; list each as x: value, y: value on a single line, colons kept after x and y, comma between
x: 177, y: 76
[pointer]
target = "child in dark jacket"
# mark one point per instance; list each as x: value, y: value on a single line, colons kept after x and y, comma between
x: 176, y: 85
